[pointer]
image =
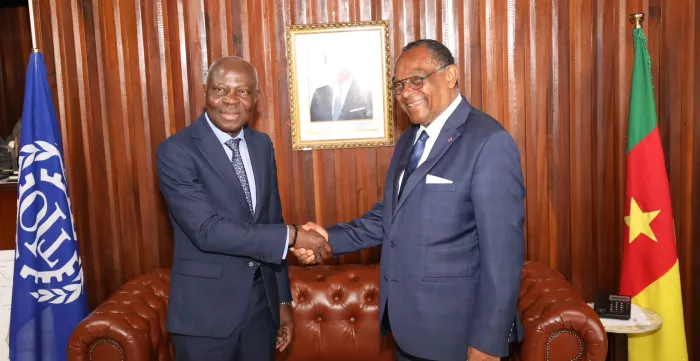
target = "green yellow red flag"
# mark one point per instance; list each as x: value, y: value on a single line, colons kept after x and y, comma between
x: 650, y: 273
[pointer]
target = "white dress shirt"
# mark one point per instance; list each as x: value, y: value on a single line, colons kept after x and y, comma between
x: 433, y: 130
x: 343, y: 89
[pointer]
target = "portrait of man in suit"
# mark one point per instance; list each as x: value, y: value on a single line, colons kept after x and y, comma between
x: 450, y: 223
x: 338, y: 79
x: 342, y: 98
x: 229, y: 286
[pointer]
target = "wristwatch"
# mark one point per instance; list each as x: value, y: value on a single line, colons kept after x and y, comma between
x: 286, y: 303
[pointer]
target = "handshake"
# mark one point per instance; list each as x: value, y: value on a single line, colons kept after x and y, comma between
x: 312, y: 244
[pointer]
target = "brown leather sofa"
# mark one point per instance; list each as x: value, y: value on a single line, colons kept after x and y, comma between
x: 337, y: 319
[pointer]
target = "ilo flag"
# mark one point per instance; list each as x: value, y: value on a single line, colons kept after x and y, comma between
x: 48, y: 295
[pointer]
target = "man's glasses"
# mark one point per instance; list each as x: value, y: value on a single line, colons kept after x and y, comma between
x: 414, y: 82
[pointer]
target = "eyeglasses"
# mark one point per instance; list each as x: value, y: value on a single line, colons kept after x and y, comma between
x: 414, y: 82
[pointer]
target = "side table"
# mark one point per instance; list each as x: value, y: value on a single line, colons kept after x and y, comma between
x: 652, y: 316
x: 614, y: 327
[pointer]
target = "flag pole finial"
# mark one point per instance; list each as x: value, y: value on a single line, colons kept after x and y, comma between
x: 637, y: 20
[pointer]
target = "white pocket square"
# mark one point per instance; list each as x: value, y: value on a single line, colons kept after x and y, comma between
x: 357, y: 109
x: 431, y: 179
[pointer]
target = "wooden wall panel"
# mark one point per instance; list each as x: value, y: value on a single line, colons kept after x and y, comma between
x: 127, y: 74
x: 8, y: 215
x: 15, y: 47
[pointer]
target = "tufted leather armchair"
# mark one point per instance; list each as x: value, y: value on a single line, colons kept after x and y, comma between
x: 337, y: 319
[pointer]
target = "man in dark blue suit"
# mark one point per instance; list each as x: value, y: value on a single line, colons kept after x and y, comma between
x: 343, y: 100
x: 451, y: 223
x: 229, y: 289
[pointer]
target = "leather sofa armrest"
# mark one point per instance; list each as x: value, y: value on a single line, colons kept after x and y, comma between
x: 559, y: 325
x: 130, y: 325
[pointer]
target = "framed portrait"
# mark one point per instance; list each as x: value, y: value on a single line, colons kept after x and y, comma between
x: 339, y: 76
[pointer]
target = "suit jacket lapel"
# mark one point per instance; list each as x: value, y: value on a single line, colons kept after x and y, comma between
x: 213, y: 152
x: 260, y: 172
x: 402, y: 152
x: 448, y: 135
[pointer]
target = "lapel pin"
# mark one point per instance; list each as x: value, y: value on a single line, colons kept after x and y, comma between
x: 449, y: 139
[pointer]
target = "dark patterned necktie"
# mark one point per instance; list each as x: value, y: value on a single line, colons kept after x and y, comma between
x: 416, y: 154
x: 237, y: 162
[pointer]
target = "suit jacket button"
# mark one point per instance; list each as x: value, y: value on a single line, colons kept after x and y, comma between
x: 392, y: 244
x: 251, y: 264
x: 386, y: 278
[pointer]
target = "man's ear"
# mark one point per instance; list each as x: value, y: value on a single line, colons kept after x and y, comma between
x: 257, y: 95
x: 452, y: 73
x: 204, y: 88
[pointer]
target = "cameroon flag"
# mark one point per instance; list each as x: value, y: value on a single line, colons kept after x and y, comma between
x: 649, y: 260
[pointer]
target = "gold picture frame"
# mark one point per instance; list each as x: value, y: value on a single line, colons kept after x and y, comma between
x: 339, y: 76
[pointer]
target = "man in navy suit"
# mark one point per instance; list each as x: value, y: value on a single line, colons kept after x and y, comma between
x: 343, y: 100
x: 229, y: 288
x: 451, y: 223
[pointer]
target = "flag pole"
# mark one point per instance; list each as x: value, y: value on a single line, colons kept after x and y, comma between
x: 31, y: 24
x: 637, y: 20
x: 35, y: 50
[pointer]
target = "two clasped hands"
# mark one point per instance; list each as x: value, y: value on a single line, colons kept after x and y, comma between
x: 311, y: 245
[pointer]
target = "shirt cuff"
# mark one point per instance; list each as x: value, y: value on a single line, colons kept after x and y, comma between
x: 286, y: 245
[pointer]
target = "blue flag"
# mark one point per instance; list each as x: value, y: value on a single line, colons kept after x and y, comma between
x: 48, y: 293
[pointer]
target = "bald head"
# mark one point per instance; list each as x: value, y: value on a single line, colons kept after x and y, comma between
x: 231, y: 62
x: 231, y: 91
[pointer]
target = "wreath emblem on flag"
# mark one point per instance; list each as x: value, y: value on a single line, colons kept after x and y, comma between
x: 45, y: 227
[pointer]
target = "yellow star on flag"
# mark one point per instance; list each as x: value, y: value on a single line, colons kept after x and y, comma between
x: 640, y: 222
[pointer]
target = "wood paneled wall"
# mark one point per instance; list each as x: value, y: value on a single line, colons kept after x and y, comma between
x: 8, y: 215
x: 15, y: 47
x: 128, y: 73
